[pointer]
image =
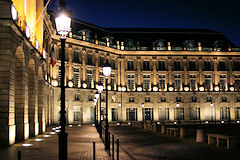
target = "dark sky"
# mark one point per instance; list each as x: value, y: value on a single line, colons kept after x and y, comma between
x: 218, y: 15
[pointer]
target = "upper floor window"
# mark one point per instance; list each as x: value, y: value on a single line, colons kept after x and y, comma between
x: 147, y: 99
x: 192, y: 66
x: 76, y: 77
x: 131, y: 99
x: 177, y: 65
x: 209, y: 99
x: 162, y: 82
x: 208, y: 82
x: 112, y: 81
x: 113, y: 64
x: 237, y: 81
x: 146, y: 65
x: 207, y: 66
x: 101, y: 61
x: 177, y: 82
x: 193, y: 82
x: 130, y: 65
x: 163, y: 99
x: 194, y: 99
x: 178, y: 99
x: 146, y: 82
x: 223, y: 82
x: 161, y: 66
x: 75, y: 57
x: 131, y: 83
x: 89, y: 59
x: 222, y: 66
x: 224, y: 99
x: 236, y: 66
x: 77, y: 97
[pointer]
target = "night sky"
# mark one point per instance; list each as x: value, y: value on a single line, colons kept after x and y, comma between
x: 217, y: 15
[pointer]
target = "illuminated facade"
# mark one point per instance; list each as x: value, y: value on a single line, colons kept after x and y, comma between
x: 157, y: 74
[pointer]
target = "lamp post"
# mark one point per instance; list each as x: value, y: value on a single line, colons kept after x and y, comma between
x: 63, y: 22
x: 106, y: 73
x: 96, y: 112
x: 100, y: 89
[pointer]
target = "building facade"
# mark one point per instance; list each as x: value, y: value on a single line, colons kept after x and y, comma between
x: 157, y: 74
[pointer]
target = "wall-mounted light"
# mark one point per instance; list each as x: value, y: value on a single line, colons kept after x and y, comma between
x: 211, y: 104
x: 155, y: 88
x: 119, y: 104
x: 177, y: 105
x: 170, y: 88
x: 70, y: 84
x: 142, y: 105
x: 201, y: 88
x: 216, y: 88
x: 84, y: 85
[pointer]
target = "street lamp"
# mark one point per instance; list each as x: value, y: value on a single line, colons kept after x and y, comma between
x: 106, y: 72
x: 100, y: 89
x: 63, y: 23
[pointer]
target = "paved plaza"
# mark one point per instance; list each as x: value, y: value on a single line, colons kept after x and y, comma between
x: 135, y: 144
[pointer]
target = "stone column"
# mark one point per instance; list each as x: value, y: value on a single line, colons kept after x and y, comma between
x: 139, y: 80
x: 185, y: 72
x: 154, y: 72
x: 230, y: 64
x: 123, y: 72
x: 200, y: 62
x: 170, y: 72
x: 70, y: 64
x: 41, y: 98
x: 119, y: 72
x: 97, y: 68
x: 84, y: 66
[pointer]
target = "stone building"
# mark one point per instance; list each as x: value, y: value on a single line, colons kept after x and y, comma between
x: 157, y: 74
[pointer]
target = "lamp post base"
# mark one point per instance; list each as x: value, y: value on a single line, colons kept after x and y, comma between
x: 62, y: 139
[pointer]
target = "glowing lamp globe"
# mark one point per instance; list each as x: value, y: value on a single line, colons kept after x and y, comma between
x: 119, y: 104
x: 97, y: 95
x: 100, y: 87
x: 107, y: 69
x: 63, y: 23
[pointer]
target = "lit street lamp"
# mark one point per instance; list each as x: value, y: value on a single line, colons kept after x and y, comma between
x: 96, y: 111
x: 100, y: 89
x: 106, y: 72
x: 63, y: 22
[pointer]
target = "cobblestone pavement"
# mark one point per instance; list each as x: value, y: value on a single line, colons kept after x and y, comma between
x: 80, y: 146
x: 138, y: 144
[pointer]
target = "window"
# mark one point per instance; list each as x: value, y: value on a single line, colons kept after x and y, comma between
x: 178, y: 113
x: 236, y: 66
x: 237, y: 113
x: 162, y: 82
x: 194, y: 113
x: 207, y: 66
x: 192, y: 66
x: 237, y: 82
x: 146, y: 65
x: 114, y: 114
x: 75, y: 57
x: 224, y: 99
x: 238, y: 98
x: 77, y: 97
x: 131, y: 99
x: 193, y: 82
x: 147, y: 114
x: 76, y: 77
x: 101, y: 61
x: 224, y: 113
x: 131, y: 83
x: 90, y: 98
x: 161, y: 66
x: 222, y: 66
x: 177, y: 65
x: 89, y: 59
x: 76, y: 116
x: 208, y: 82
x: 113, y: 64
x: 223, y: 82
x: 112, y: 81
x: 194, y: 99
x: 178, y: 99
x: 101, y: 78
x: 209, y: 99
x: 163, y: 99
x: 147, y: 99
x: 146, y: 82
x: 163, y: 114
x: 130, y: 65
x: 177, y: 82
x: 89, y: 78
x: 131, y: 114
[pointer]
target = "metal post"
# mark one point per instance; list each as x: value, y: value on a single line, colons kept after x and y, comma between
x: 113, y: 147
x: 117, y: 148
x: 109, y: 138
x: 107, y: 146
x: 94, y: 150
x: 62, y: 135
x: 95, y: 115
x: 100, y: 125
x: 19, y: 155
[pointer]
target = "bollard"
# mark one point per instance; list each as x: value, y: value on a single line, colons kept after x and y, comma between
x: 113, y: 147
x: 19, y: 155
x: 94, y: 150
x: 117, y: 148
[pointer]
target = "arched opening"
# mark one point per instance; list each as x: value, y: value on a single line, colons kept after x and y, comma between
x: 32, y: 100
x: 21, y: 102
